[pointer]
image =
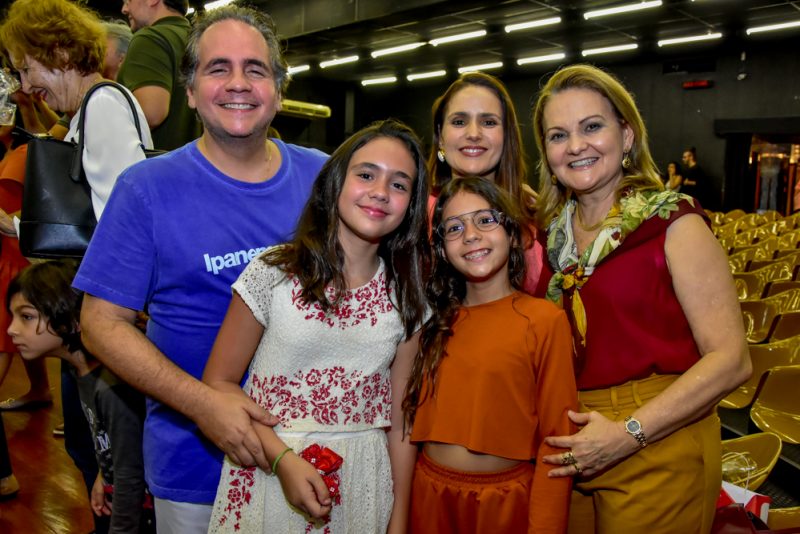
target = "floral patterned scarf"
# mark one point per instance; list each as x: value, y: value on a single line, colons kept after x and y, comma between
x: 571, y: 271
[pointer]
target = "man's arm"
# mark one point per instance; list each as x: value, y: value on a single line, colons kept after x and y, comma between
x: 108, y: 332
x: 155, y: 103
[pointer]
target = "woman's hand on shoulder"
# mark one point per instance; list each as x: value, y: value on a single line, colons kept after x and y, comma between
x: 303, y: 486
x: 598, y: 445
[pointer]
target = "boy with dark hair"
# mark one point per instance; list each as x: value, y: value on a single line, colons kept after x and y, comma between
x: 45, y: 313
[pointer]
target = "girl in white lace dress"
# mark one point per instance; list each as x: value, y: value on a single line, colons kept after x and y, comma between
x: 326, y: 325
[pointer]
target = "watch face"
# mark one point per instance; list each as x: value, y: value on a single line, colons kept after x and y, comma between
x: 633, y: 426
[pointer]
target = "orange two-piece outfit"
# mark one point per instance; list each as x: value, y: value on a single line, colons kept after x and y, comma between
x: 504, y: 384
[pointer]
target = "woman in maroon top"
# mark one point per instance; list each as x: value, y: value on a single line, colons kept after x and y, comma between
x: 656, y: 322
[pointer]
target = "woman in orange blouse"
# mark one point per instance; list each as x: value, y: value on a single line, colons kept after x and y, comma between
x: 493, y: 378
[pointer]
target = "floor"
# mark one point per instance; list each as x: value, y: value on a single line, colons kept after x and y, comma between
x: 52, y: 497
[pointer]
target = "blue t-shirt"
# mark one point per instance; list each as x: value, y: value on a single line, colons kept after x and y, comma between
x: 175, y: 235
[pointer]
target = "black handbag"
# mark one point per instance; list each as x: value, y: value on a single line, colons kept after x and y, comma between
x: 57, y: 219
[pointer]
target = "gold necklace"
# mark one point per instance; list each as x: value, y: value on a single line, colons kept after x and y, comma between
x: 585, y: 228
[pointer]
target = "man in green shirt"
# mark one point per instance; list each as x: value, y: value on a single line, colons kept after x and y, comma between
x: 151, y: 68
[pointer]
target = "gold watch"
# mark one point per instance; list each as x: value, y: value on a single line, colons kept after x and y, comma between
x: 634, y: 428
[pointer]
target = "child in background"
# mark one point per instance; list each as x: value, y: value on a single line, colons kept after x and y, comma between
x: 45, y: 312
x: 325, y: 328
x: 493, y: 378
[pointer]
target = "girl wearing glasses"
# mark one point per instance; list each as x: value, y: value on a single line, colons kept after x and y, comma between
x: 493, y: 377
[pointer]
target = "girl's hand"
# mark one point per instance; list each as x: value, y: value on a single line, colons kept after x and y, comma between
x: 303, y: 486
x: 600, y: 444
x: 100, y: 506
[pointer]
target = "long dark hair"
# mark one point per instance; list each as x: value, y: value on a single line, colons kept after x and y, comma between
x: 315, y: 255
x: 447, y: 287
x: 512, y: 171
x: 48, y: 287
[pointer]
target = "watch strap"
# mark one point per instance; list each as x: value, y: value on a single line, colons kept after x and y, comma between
x: 639, y: 435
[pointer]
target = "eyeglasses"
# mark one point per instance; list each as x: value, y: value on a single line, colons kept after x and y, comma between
x: 484, y: 220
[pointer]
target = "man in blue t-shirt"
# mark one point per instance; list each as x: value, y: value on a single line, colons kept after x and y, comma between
x: 176, y: 233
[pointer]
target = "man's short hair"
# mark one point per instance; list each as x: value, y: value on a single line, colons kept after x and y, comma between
x: 121, y: 33
x: 181, y: 6
x: 258, y: 20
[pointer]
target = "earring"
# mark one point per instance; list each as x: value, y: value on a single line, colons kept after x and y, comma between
x: 553, y: 179
x: 440, y: 155
x: 626, y: 161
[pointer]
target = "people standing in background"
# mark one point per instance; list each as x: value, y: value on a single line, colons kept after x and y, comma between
x: 769, y: 167
x: 60, y: 66
x: 695, y: 181
x: 179, y: 230
x: 152, y: 69
x: 112, y: 141
x: 673, y: 180
x: 476, y: 133
x: 118, y: 39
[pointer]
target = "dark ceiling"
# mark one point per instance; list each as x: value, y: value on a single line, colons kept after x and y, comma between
x: 317, y: 30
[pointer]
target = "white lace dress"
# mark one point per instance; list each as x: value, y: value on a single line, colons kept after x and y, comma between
x: 326, y: 376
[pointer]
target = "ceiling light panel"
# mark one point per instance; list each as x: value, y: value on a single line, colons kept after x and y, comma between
x: 482, y: 66
x: 541, y: 59
x: 690, y: 39
x: 532, y: 24
x: 773, y: 27
x: 337, y: 61
x: 609, y: 49
x: 396, y: 49
x: 426, y: 75
x: 627, y: 8
x: 457, y: 37
x: 378, y: 81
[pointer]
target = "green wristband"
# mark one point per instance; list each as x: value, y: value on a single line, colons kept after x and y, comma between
x: 278, y: 459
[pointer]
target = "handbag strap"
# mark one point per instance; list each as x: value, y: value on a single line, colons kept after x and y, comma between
x: 77, y: 162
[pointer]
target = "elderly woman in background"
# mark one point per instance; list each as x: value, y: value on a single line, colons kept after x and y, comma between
x: 58, y: 48
x: 118, y: 39
x: 476, y: 133
x: 656, y: 322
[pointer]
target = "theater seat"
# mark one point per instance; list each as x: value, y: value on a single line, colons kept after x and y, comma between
x: 777, y: 406
x: 764, y: 358
x: 761, y: 449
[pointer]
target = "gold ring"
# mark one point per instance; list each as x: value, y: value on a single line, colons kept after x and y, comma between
x: 567, y: 458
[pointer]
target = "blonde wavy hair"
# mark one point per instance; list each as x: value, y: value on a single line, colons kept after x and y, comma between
x: 59, y: 34
x: 642, y: 174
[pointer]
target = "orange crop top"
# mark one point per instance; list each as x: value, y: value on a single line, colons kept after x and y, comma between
x: 504, y: 384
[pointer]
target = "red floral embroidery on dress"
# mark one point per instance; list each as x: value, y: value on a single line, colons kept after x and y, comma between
x: 362, y: 304
x: 328, y: 396
x: 239, y: 494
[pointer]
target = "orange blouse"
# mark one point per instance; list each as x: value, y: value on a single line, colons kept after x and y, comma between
x: 504, y: 384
